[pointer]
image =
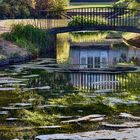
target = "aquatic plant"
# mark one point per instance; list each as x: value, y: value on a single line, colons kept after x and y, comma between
x: 74, y: 102
x: 38, y: 118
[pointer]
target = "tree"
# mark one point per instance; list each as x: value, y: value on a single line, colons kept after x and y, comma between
x: 15, y: 8
x: 51, y: 4
x: 60, y: 4
x: 44, y: 4
x: 4, y: 10
x: 131, y: 4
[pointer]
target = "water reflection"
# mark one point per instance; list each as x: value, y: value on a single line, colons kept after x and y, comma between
x: 104, y: 82
x: 92, y: 53
x: 50, y: 98
x: 71, y: 95
x: 103, y: 55
x: 63, y: 48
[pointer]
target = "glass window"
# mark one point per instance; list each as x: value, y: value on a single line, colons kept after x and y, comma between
x: 90, y: 62
x: 104, y: 62
x: 97, y: 62
x: 83, y: 62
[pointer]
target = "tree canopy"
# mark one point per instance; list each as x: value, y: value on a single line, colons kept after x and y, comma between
x: 51, y: 4
x: 24, y: 8
x: 131, y: 4
x: 15, y: 8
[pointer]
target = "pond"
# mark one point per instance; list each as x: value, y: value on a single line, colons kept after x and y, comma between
x: 92, y: 86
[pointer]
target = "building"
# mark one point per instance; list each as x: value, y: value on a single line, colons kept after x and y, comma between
x: 101, y: 55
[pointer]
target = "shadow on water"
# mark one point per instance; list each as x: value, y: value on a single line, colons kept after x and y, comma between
x: 90, y: 88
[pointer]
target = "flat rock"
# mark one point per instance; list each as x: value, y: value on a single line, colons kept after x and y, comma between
x: 16, y: 107
x: 22, y: 104
x: 121, y: 126
x: 92, y: 118
x: 97, y: 119
x: 7, y: 89
x: 4, y: 112
x: 31, y: 99
x: 65, y: 117
x: 30, y: 76
x: 13, y: 85
x: 49, y: 127
x: 9, y: 81
x: 129, y: 116
x: 11, y: 119
x: 62, y: 137
x: 122, y: 134
x: 40, y: 88
x: 11, y: 108
x: 59, y: 106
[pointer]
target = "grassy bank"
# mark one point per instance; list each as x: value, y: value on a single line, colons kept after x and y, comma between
x: 94, y: 36
x: 89, y: 4
x: 28, y: 37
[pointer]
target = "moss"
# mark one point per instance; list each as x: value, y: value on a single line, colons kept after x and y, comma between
x: 75, y: 102
x: 38, y: 118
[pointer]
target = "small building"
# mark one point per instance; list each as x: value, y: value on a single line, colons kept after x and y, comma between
x: 101, y: 55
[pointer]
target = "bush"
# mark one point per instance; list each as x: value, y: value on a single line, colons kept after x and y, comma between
x: 29, y: 37
x: 80, y: 21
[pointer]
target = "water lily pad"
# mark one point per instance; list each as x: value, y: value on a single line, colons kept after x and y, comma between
x: 65, y: 117
x: 21, y: 104
x: 16, y: 107
x: 31, y: 99
x: 11, y: 119
x: 49, y: 127
x: 7, y: 89
x: 91, y: 118
x: 39, y: 88
x: 11, y: 108
x: 4, y: 112
x: 121, y: 126
x: 14, y: 85
x: 129, y: 116
x: 30, y: 76
x: 59, y: 106
x: 9, y: 81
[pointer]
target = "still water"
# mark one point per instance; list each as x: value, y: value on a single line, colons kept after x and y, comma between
x: 90, y: 86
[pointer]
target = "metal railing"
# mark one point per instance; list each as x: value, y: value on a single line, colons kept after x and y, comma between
x: 83, y: 17
x: 107, y: 16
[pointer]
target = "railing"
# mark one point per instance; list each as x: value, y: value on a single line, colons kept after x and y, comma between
x: 107, y: 16
x: 106, y: 82
x: 89, y: 17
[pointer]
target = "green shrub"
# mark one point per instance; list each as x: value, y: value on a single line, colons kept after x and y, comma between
x: 131, y: 4
x: 27, y: 36
x: 80, y: 21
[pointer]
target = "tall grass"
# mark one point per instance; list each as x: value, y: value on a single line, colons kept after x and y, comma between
x: 27, y: 36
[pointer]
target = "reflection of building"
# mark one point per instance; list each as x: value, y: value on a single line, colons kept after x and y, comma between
x: 101, y: 56
x: 95, y: 81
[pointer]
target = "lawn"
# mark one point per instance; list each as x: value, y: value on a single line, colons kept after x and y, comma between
x: 89, y: 4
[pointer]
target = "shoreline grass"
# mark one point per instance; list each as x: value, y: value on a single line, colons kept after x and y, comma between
x: 89, y: 4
